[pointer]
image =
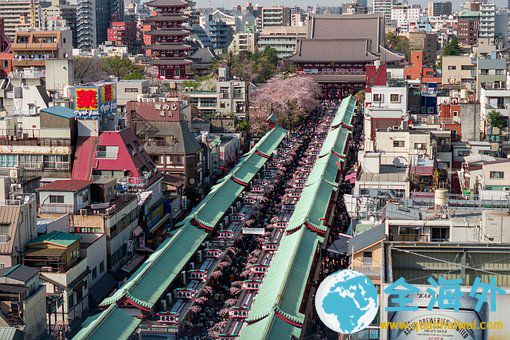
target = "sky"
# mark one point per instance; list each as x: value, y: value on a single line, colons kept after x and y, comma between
x: 304, y: 3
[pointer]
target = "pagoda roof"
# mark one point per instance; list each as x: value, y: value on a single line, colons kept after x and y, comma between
x: 167, y: 17
x: 170, y: 62
x: 169, y: 47
x: 168, y: 32
x: 167, y: 3
x: 333, y: 50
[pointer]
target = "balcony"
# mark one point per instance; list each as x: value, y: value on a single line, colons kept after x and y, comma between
x: 410, y: 238
x: 29, y: 63
x: 56, y: 209
x: 27, y: 47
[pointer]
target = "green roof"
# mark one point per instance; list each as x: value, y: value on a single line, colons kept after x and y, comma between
x: 248, y: 167
x: 112, y: 323
x: 325, y: 169
x: 285, y: 281
x: 156, y: 274
x: 271, y: 140
x: 468, y: 14
x: 60, y: 111
x: 214, y: 209
x: 56, y: 237
x: 347, y: 105
x: 270, y: 327
x: 335, y: 141
x: 312, y: 205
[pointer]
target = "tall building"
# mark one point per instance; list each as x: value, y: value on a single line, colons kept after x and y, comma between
x: 436, y: 9
x: 403, y: 14
x: 166, y: 41
x: 282, y: 38
x: 220, y: 34
x: 93, y: 18
x: 123, y: 34
x: 275, y: 16
x: 12, y: 10
x: 487, y: 21
x: 468, y: 26
x: 60, y: 14
x: 384, y: 7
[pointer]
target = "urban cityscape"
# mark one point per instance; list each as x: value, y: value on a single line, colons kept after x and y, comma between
x: 174, y: 170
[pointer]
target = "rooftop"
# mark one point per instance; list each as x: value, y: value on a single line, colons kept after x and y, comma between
x: 56, y: 237
x: 65, y: 185
x: 19, y: 272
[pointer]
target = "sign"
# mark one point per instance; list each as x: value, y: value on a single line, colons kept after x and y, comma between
x: 92, y: 101
x: 253, y: 231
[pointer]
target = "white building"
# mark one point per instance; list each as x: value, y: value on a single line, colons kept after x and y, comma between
x: 403, y: 14
x: 384, y: 7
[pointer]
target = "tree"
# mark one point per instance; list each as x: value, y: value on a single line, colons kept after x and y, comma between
x: 398, y: 43
x: 122, y: 68
x: 452, y: 48
x: 495, y: 119
x: 290, y: 100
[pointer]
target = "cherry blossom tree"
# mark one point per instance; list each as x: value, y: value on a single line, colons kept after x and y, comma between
x: 289, y: 99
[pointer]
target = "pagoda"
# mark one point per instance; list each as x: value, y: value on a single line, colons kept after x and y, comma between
x: 165, y: 42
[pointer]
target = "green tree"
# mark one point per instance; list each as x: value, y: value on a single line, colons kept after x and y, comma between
x: 495, y: 119
x: 452, y: 48
x: 122, y: 68
x: 398, y: 43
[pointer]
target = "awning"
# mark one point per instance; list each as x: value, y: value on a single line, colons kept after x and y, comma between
x: 340, y: 245
x: 137, y: 231
x: 160, y: 223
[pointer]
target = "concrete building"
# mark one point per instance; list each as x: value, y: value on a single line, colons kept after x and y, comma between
x: 130, y: 90
x: 458, y: 70
x: 93, y: 18
x: 442, y: 8
x: 427, y: 42
x: 12, y: 10
x: 243, y: 42
x: 123, y: 33
x: 31, y: 48
x: 490, y: 74
x: 220, y: 35
x: 23, y: 301
x: 403, y: 14
x: 60, y: 14
x: 468, y: 28
x: 384, y: 7
x: 275, y: 16
x: 282, y: 38
x: 168, y: 141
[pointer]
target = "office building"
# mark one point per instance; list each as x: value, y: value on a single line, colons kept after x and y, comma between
x: 275, y: 16
x: 437, y: 9
x: 384, y: 7
x: 12, y: 10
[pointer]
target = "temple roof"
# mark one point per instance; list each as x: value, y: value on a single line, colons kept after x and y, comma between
x: 170, y: 62
x: 169, y: 47
x: 167, y: 3
x: 354, y: 26
x: 177, y: 31
x: 333, y: 50
x: 167, y: 17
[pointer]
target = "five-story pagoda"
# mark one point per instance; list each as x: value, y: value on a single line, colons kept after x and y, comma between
x: 165, y: 42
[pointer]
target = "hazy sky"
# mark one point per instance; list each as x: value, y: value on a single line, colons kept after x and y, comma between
x: 304, y: 3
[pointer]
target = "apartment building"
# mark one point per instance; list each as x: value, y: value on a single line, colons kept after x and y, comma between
x: 12, y: 10
x: 31, y: 48
x: 458, y: 70
x: 23, y: 301
x: 282, y: 38
x: 275, y: 16
x: 439, y: 8
x: 243, y: 42
x: 384, y: 7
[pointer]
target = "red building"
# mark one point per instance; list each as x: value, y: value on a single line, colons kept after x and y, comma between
x: 166, y: 40
x: 123, y: 34
x: 5, y: 52
x: 114, y: 154
x: 417, y: 71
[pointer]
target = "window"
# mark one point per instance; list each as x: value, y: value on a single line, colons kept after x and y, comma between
x: 110, y: 152
x: 74, y: 254
x: 367, y: 254
x: 70, y: 302
x: 57, y: 162
x: 463, y: 153
x: 4, y: 228
x: 452, y: 68
x: 101, y: 267
x: 467, y: 67
x: 440, y: 234
x: 56, y: 199
x: 131, y: 150
x: 395, y: 98
x: 130, y: 89
x: 378, y: 97
x: 499, y: 72
x: 497, y: 175
x: 8, y: 161
x: 94, y: 273
x: 398, y: 143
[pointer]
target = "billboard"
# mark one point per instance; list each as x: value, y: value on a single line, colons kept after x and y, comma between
x: 93, y: 101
